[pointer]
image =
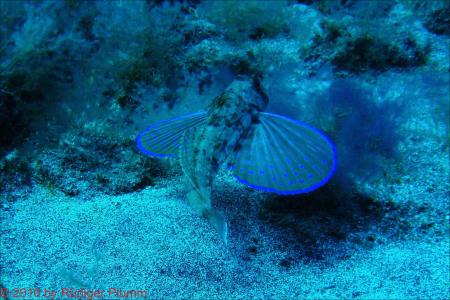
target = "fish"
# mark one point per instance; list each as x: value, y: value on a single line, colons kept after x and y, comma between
x: 262, y: 150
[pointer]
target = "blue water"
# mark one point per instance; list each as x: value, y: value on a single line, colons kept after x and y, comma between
x: 339, y: 189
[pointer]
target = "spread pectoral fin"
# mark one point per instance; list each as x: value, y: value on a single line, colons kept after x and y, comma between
x: 162, y: 139
x: 284, y: 156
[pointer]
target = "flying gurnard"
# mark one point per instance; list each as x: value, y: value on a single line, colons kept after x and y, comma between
x: 264, y: 151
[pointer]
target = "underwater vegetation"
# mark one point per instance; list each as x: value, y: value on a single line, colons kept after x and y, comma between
x: 313, y: 135
x: 243, y: 20
x: 365, y: 50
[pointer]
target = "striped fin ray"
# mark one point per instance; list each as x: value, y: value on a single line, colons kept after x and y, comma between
x: 162, y: 139
x: 284, y: 156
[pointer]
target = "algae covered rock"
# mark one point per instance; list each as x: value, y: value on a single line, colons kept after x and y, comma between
x: 87, y: 164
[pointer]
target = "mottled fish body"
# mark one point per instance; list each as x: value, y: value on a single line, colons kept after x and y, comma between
x: 264, y: 151
x: 229, y: 121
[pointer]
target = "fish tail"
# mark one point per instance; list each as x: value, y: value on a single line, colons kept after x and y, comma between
x: 201, y: 202
x: 218, y: 221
